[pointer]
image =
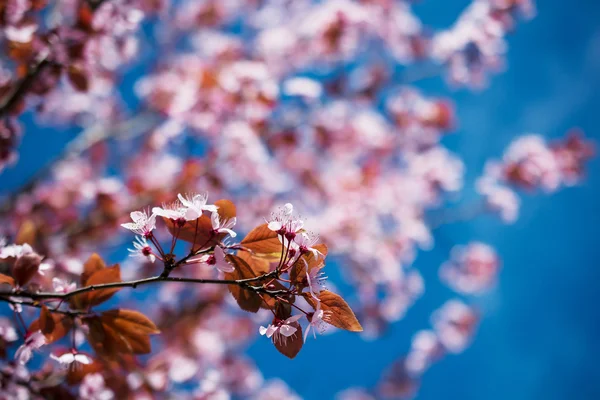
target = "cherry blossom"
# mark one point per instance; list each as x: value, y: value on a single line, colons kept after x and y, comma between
x: 33, y: 341
x: 315, y: 278
x: 471, y: 269
x: 143, y: 224
x: 72, y: 358
x: 94, y: 387
x: 61, y: 286
x: 217, y: 260
x: 195, y: 204
x: 7, y: 331
x: 316, y: 322
x: 280, y: 328
x: 142, y: 249
x: 283, y: 221
x: 223, y: 226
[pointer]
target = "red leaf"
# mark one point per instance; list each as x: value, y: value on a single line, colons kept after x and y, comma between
x: 93, y: 264
x: 118, y: 332
x: 226, y: 209
x: 27, y: 233
x: 246, y: 299
x: 298, y: 271
x: 337, y: 312
x: 26, y: 267
x: 54, y: 326
x: 263, y: 241
x: 78, y: 78
x: 7, y: 279
x: 97, y: 296
x: 289, y: 346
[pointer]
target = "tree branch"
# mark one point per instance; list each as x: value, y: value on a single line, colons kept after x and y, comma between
x: 244, y: 283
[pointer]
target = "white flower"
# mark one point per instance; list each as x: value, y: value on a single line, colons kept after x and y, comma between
x: 143, y: 224
x: 283, y: 220
x: 195, y: 205
x: 316, y: 280
x: 316, y: 322
x: 93, y: 387
x: 61, y: 286
x: 281, y: 327
x: 45, y: 266
x: 305, y: 243
x: 223, y: 226
x: 172, y: 211
x: 33, y: 341
x: 142, y: 249
x: 217, y: 259
x: 7, y: 331
x: 70, y: 358
x: 15, y: 250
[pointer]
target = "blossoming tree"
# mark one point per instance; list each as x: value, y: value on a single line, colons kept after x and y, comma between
x: 262, y: 104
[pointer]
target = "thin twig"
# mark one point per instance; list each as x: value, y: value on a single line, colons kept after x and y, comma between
x: 244, y: 283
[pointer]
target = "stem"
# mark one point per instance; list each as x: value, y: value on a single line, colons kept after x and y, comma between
x: 244, y: 283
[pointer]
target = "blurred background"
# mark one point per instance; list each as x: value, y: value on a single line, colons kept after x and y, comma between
x: 539, y: 334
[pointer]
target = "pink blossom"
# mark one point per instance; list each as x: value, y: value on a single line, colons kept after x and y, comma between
x: 282, y: 221
x: 61, y: 286
x: 143, y: 224
x: 72, y: 358
x: 142, y: 249
x: 315, y: 278
x: 223, y: 226
x: 93, y: 387
x: 33, y: 341
x: 217, y: 260
x: 7, y: 331
x: 316, y: 322
x: 454, y: 324
x: 195, y: 204
x: 471, y: 269
x: 281, y: 327
x: 305, y: 243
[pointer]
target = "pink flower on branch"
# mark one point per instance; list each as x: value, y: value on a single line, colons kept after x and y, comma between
x: 33, y: 341
x: 143, y: 224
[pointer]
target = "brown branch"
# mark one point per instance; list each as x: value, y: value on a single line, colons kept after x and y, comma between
x: 244, y: 283
x: 22, y: 87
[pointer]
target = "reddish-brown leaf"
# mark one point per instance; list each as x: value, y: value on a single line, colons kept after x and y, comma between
x: 26, y: 267
x: 93, y: 264
x: 78, y: 78
x: 27, y: 233
x: 97, y: 296
x: 246, y: 299
x: 107, y: 275
x: 130, y: 330
x: 337, y: 312
x: 298, y: 271
x: 198, y: 232
x: 263, y: 242
x: 259, y: 266
x: 7, y: 279
x: 130, y: 321
x: 76, y: 375
x: 226, y: 209
x: 118, y: 332
x: 54, y: 326
x: 289, y: 346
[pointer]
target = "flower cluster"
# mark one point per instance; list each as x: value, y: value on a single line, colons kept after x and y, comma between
x: 530, y: 163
